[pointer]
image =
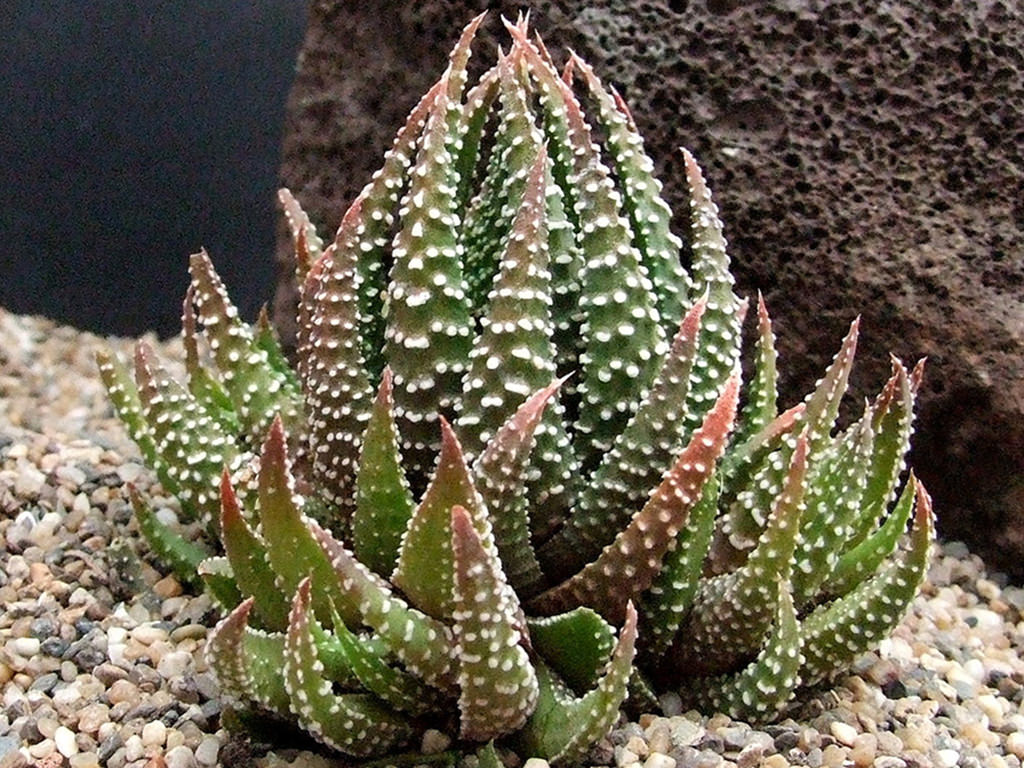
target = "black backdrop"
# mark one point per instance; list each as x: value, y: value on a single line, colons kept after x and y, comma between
x: 131, y: 134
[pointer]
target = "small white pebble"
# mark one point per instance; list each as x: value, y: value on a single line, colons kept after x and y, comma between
x: 535, y: 762
x: 133, y: 748
x: 25, y: 646
x: 947, y: 758
x: 64, y: 738
x: 1015, y: 744
x: 154, y: 734
x: 42, y: 749
x: 843, y: 733
x: 180, y: 757
x: 173, y: 664
x: 84, y: 760
x: 659, y: 760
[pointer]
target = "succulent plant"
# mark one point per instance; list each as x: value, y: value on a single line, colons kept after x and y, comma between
x: 514, y: 423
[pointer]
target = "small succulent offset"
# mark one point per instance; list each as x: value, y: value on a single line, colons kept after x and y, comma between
x: 514, y: 425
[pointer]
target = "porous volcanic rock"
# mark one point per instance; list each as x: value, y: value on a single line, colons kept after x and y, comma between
x: 866, y: 159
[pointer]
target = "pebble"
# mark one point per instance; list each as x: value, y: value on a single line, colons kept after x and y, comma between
x: 64, y: 739
x: 207, y: 751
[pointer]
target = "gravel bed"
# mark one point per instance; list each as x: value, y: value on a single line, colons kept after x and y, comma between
x: 101, y: 652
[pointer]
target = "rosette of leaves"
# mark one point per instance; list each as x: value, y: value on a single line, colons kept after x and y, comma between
x: 513, y: 425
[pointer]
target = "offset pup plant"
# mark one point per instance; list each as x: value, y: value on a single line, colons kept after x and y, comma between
x: 515, y: 426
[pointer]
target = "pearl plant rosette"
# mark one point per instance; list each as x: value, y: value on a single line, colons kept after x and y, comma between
x: 514, y: 426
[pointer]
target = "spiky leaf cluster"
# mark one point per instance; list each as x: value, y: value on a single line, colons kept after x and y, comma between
x: 514, y: 424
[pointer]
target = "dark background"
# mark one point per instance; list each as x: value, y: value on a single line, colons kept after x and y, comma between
x: 131, y: 134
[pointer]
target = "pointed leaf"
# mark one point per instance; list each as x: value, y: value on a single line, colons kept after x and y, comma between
x: 396, y: 688
x: 576, y: 645
x: 760, y: 690
x: 835, y: 485
x: 623, y: 340
x: 219, y: 581
x: 497, y: 682
x: 665, y: 604
x: 335, y: 383
x: 355, y: 724
x: 865, y: 559
x: 642, y: 453
x: 762, y: 390
x: 837, y: 632
x: 192, y: 446
x: 733, y: 613
x: 295, y: 554
x: 628, y: 566
x: 384, y: 503
x: 719, y: 343
x: 489, y: 220
x: 124, y: 396
x: 180, y: 554
x: 425, y: 563
x: 256, y: 389
x: 648, y: 213
x: 308, y: 244
x: 501, y: 477
x: 248, y: 662
x: 562, y: 728
x: 201, y: 383
x: 250, y: 563
x: 421, y: 643
x: 892, y: 424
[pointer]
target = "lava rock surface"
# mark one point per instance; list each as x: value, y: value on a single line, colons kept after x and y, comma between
x: 866, y: 160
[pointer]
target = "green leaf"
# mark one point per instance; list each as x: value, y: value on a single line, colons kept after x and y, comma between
x: 335, y: 385
x: 649, y: 215
x: 429, y: 327
x: 250, y: 562
x: 892, y: 416
x: 576, y: 645
x: 500, y: 475
x: 307, y: 243
x: 638, y: 460
x: 384, y: 503
x: 497, y: 682
x: 837, y: 632
x: 217, y: 577
x: 749, y: 509
x: 124, y: 396
x: 664, y: 606
x: 396, y: 688
x: 422, y: 644
x: 865, y: 559
x: 295, y: 553
x: 562, y: 728
x: 201, y: 383
x: 835, y: 484
x: 353, y: 723
x: 248, y: 662
x: 256, y: 389
x: 425, y: 560
x: 191, y: 446
x: 733, y: 613
x: 628, y: 566
x: 761, y: 407
x: 760, y: 690
x: 719, y: 342
x: 489, y: 219
x: 182, y: 555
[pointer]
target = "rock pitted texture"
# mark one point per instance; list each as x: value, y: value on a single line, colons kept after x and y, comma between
x: 866, y: 160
